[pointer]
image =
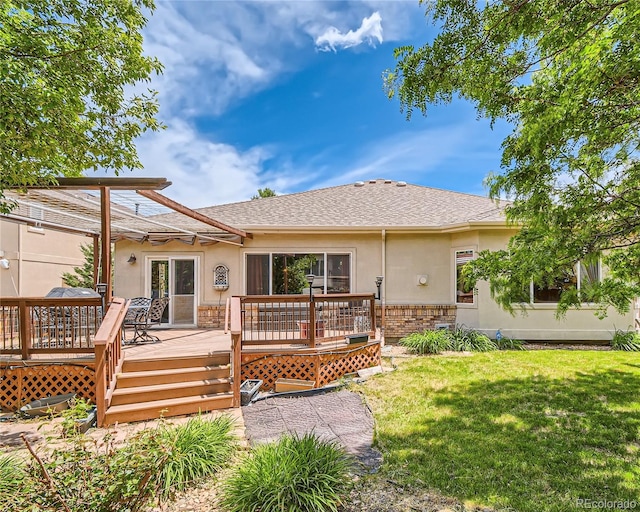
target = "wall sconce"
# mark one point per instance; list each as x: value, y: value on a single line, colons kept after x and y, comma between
x: 378, y: 285
x: 310, y: 278
x: 4, y: 263
x: 132, y: 259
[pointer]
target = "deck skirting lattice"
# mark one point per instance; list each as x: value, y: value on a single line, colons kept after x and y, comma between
x: 20, y: 385
x: 321, y: 367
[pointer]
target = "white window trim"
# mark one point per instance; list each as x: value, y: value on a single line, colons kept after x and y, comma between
x: 454, y: 278
x: 196, y: 283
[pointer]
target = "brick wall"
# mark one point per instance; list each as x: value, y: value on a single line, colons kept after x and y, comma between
x: 211, y: 317
x: 404, y: 319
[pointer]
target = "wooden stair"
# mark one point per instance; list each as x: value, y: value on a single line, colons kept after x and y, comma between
x: 150, y: 388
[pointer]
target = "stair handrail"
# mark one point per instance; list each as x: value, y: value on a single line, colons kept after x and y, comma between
x: 235, y: 309
x: 226, y: 315
x: 109, y: 356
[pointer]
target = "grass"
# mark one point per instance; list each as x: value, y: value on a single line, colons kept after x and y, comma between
x: 518, y: 431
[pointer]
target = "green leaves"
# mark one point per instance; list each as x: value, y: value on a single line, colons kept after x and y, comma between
x: 66, y: 102
x: 293, y: 474
x: 567, y: 75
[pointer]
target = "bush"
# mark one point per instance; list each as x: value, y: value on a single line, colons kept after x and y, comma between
x: 505, y: 343
x: 626, y: 340
x: 90, y: 476
x: 12, y: 475
x: 465, y: 339
x: 427, y: 342
x: 296, y: 474
x: 197, y: 449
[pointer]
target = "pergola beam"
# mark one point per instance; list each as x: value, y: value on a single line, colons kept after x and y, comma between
x: 116, y: 183
x: 180, y: 208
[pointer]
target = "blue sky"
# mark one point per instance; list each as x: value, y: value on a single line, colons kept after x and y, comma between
x: 288, y: 95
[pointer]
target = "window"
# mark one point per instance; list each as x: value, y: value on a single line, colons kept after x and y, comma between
x: 464, y: 293
x: 586, y: 273
x: 285, y: 273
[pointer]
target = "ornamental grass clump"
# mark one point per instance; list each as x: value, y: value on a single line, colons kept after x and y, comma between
x: 464, y: 339
x: 628, y: 341
x: 427, y: 342
x: 12, y: 476
x: 195, y: 450
x: 294, y: 474
x: 505, y: 343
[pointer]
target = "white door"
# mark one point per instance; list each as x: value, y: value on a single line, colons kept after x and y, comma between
x: 176, y: 278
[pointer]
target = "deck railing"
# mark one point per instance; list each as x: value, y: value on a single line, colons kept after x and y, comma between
x: 301, y: 320
x: 108, y: 354
x: 32, y: 325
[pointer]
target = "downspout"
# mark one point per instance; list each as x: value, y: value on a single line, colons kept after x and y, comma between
x: 383, y: 293
x: 20, y: 265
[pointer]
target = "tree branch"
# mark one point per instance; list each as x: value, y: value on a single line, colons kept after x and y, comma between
x: 44, y: 471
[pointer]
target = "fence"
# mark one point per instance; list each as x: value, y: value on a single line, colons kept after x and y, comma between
x: 300, y: 320
x: 49, y: 325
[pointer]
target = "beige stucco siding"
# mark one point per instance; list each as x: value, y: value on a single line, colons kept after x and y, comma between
x: 37, y: 258
x: 409, y: 256
x: 400, y: 257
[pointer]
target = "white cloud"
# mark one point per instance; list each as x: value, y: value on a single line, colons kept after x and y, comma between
x: 369, y: 31
x: 202, y: 172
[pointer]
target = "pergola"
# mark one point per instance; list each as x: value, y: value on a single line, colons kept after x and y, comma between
x: 116, y: 208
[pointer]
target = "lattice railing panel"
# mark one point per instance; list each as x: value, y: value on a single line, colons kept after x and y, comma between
x: 269, y: 368
x: 19, y: 386
x: 335, y: 366
x: 320, y: 367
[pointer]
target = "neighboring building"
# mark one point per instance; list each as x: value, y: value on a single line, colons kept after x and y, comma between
x: 36, y: 257
x: 416, y: 237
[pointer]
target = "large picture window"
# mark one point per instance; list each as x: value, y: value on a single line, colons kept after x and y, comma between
x: 285, y: 273
x: 586, y: 273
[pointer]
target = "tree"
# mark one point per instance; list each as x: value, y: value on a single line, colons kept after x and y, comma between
x: 82, y: 277
x: 66, y: 101
x: 264, y: 192
x: 566, y: 74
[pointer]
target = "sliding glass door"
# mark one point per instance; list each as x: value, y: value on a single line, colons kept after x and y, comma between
x: 176, y: 278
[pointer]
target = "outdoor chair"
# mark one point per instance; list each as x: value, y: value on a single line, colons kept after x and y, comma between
x: 144, y: 313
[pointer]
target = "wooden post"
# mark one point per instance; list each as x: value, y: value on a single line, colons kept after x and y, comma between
x: 101, y: 382
x: 236, y: 347
x: 372, y: 312
x: 25, y: 329
x: 312, y: 322
x: 105, y: 229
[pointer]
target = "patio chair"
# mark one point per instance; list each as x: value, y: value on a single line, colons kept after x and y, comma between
x: 143, y: 314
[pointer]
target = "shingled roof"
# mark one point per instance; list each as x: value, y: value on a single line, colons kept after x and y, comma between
x: 371, y: 204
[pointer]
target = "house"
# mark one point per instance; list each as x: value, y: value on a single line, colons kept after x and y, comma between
x: 33, y: 257
x: 417, y: 238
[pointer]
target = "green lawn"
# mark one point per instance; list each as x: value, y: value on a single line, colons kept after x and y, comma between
x: 525, y: 431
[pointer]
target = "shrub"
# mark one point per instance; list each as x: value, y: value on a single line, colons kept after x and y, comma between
x: 505, y: 343
x: 78, y: 410
x: 296, y: 474
x: 427, y: 342
x: 12, y: 475
x: 466, y: 339
x: 196, y: 450
x: 626, y: 340
x: 90, y: 476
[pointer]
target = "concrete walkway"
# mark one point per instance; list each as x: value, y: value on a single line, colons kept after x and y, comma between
x: 340, y: 416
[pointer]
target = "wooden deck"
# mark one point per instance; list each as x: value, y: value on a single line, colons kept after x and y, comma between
x: 180, y: 343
